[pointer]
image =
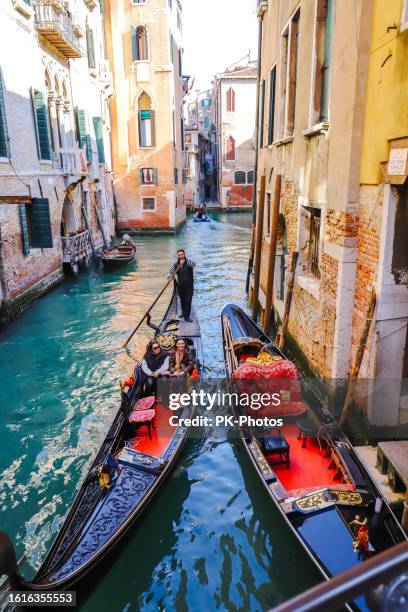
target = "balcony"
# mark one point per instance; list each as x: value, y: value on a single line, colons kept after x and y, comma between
x: 262, y: 7
x: 54, y: 23
x: 75, y: 248
x: 71, y: 164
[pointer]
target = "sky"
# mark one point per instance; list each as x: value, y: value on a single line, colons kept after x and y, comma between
x: 217, y: 33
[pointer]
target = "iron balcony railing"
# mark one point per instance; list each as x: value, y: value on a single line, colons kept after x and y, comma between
x: 54, y: 22
x: 74, y: 248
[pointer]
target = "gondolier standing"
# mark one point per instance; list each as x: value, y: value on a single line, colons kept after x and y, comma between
x: 185, y: 280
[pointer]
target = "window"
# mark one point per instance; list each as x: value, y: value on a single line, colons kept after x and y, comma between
x: 239, y: 177
x: 271, y: 121
x: 404, y: 16
x: 148, y: 204
x: 176, y: 176
x: 90, y: 47
x: 230, y: 156
x: 42, y: 125
x: 268, y: 214
x: 139, y: 43
x: 288, y: 78
x: 146, y: 122
x: 4, y: 138
x: 139, y: 1
x: 230, y: 100
x: 250, y: 177
x: 97, y: 122
x: 262, y: 115
x: 180, y: 58
x: 314, y: 241
x: 83, y: 132
x: 148, y: 176
x: 171, y: 49
x: 323, y: 32
x: 205, y: 102
x: 36, y: 230
x: 206, y: 122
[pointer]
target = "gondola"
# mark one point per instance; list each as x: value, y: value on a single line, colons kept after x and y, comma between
x: 318, y: 484
x: 204, y: 219
x: 106, y: 508
x: 119, y: 255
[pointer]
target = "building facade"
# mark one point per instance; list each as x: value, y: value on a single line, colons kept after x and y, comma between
x: 56, y: 198
x: 332, y: 106
x: 234, y: 98
x: 145, y: 51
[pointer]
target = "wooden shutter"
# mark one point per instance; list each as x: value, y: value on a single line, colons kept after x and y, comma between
x: 271, y: 122
x: 83, y: 132
x: 90, y: 46
x: 40, y: 223
x: 155, y: 176
x: 25, y: 237
x: 153, y: 127
x: 97, y: 122
x: 42, y: 127
x: 133, y: 35
x: 141, y: 176
x: 4, y: 139
x: 328, y: 42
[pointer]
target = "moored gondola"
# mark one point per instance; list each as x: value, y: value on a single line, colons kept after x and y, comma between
x: 119, y: 255
x: 132, y: 462
x: 307, y: 465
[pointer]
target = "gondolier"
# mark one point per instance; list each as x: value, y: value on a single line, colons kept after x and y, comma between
x: 185, y: 280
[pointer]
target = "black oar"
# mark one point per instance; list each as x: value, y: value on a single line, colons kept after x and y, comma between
x: 146, y: 314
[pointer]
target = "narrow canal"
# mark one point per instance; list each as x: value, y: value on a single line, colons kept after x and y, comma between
x: 211, y: 539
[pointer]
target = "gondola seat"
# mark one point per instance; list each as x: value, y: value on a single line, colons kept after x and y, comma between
x: 143, y: 417
x: 276, y: 445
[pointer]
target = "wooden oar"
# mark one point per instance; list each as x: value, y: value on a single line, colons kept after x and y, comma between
x: 151, y: 307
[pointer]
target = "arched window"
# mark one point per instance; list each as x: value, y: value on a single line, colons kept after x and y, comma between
x: 230, y: 149
x: 250, y: 177
x: 206, y: 122
x: 140, y: 49
x: 146, y: 121
x: 239, y: 177
x: 230, y: 100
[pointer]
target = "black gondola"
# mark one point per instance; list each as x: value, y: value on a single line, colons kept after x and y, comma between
x: 326, y: 518
x: 119, y: 255
x: 100, y: 516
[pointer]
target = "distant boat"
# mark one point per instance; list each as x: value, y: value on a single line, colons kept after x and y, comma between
x: 204, y: 219
x: 119, y: 255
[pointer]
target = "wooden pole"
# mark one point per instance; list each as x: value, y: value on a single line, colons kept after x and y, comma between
x: 358, y: 358
x: 151, y: 307
x: 272, y: 253
x: 404, y: 521
x: 288, y: 300
x: 258, y: 246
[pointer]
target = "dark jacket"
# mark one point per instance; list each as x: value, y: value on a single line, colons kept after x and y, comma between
x: 187, y: 363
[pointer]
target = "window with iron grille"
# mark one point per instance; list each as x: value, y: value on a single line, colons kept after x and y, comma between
x: 148, y: 176
x: 239, y: 177
x: 314, y: 241
x: 250, y: 177
x: 148, y: 204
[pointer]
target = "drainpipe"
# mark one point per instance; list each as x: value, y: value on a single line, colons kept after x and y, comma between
x: 272, y: 253
x: 254, y: 195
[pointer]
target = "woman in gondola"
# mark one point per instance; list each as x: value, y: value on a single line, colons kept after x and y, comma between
x: 155, y: 364
x: 181, y: 360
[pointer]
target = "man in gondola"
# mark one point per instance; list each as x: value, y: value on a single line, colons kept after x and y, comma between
x: 185, y: 282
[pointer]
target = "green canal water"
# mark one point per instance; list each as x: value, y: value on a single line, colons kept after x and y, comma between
x: 211, y: 538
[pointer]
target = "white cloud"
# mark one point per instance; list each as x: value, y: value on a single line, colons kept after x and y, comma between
x: 217, y: 33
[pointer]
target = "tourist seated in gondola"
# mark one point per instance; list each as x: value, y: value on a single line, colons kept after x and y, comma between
x: 155, y: 364
x: 182, y: 360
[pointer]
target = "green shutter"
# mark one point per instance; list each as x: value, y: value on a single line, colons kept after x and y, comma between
x: 43, y: 133
x: 4, y: 139
x: 90, y: 48
x: 25, y: 238
x: 155, y: 176
x: 328, y: 42
x: 97, y: 121
x: 40, y: 223
x: 134, y: 43
x: 83, y: 132
x: 145, y: 114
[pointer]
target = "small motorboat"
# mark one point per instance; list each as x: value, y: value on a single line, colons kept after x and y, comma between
x: 203, y: 219
x: 120, y: 484
x: 119, y: 255
x: 323, y: 492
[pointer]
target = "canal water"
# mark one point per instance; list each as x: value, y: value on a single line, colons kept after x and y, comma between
x: 211, y: 538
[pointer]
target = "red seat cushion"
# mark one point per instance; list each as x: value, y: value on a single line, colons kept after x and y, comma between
x: 140, y: 416
x: 145, y: 403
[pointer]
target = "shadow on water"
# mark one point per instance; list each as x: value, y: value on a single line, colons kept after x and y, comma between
x: 211, y: 537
